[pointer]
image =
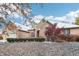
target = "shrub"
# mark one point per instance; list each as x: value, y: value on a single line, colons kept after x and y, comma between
x: 52, y: 31
x: 69, y: 38
x: 25, y: 39
x: 76, y: 38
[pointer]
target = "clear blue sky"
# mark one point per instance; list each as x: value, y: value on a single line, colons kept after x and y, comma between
x: 54, y: 9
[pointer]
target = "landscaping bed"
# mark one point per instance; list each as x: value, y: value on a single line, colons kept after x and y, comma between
x: 61, y: 38
x: 25, y: 39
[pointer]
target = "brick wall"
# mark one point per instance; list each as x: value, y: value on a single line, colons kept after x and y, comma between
x: 41, y: 27
x: 22, y: 34
x: 74, y: 31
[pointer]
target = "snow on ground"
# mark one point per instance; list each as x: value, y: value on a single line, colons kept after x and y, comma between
x: 3, y: 41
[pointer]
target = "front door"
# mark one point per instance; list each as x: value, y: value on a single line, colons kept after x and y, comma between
x: 38, y: 31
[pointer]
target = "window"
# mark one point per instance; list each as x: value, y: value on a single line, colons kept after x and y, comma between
x: 67, y: 32
x: 46, y: 29
x: 33, y: 34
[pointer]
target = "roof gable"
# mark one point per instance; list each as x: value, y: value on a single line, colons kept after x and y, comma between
x: 42, y: 22
x: 59, y: 24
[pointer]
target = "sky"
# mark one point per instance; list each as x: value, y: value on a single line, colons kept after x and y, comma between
x: 65, y: 12
x: 54, y: 9
x: 55, y: 12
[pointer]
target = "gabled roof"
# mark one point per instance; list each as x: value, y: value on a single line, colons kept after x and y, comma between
x: 23, y: 31
x: 23, y: 27
x: 64, y: 25
x: 60, y: 24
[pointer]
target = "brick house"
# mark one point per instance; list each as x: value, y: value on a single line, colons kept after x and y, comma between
x: 21, y: 31
x: 69, y: 29
x: 24, y: 31
x: 39, y: 30
x: 13, y: 30
x: 22, y: 34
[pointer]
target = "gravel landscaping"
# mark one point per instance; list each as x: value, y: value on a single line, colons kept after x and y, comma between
x: 40, y: 49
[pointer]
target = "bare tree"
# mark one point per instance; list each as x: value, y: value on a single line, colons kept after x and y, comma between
x: 7, y: 9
